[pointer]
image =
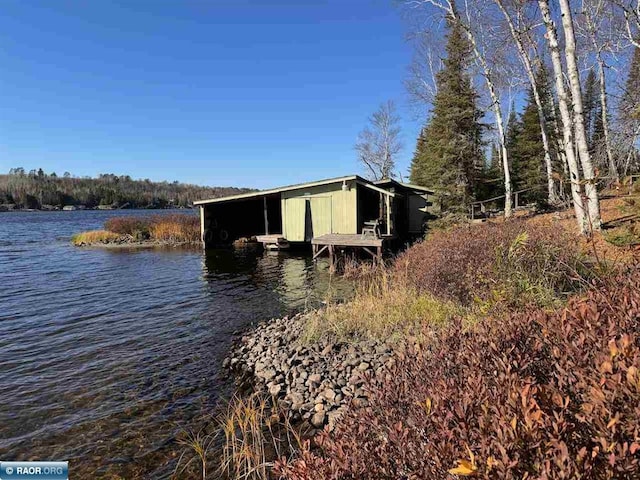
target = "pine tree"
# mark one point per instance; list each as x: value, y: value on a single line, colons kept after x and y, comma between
x: 629, y: 113
x: 530, y: 172
x: 591, y: 104
x: 450, y: 154
x: 492, y: 176
x: 630, y: 102
x: 418, y: 154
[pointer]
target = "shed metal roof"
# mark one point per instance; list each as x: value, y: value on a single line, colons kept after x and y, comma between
x: 410, y: 186
x: 300, y: 186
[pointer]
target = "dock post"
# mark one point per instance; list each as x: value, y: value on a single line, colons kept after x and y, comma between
x: 331, y: 259
x: 204, y: 242
x: 266, y: 218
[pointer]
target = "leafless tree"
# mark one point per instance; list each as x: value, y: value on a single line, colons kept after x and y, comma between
x: 601, y: 28
x: 379, y: 143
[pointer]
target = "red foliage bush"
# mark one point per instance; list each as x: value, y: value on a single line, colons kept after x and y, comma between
x: 479, y: 262
x: 532, y: 395
x: 127, y: 225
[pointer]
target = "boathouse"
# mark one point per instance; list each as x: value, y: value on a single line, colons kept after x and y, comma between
x: 343, y: 208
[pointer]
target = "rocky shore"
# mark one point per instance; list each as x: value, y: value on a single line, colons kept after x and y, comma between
x: 126, y: 242
x: 314, y: 382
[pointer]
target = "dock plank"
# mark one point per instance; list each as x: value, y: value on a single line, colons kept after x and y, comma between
x: 347, y: 240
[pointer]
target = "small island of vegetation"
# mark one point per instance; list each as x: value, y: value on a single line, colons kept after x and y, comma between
x: 156, y: 230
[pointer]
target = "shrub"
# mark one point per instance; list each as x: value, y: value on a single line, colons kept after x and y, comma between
x: 537, y: 394
x: 513, y: 263
x: 94, y: 236
x: 175, y: 228
x: 128, y: 225
x: 382, y: 306
x: 624, y: 236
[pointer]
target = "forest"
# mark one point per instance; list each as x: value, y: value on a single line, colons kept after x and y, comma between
x: 38, y: 190
x: 536, y: 98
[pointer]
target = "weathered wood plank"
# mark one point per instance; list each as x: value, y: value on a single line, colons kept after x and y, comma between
x: 346, y: 240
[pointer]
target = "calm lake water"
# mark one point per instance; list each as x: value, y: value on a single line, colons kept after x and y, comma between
x: 106, y: 355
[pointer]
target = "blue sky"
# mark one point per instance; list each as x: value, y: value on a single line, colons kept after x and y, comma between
x: 246, y: 93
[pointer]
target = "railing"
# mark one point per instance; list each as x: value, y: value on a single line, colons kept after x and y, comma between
x: 601, y: 182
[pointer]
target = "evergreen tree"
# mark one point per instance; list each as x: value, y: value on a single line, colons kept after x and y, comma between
x: 492, y: 176
x: 629, y: 114
x: 591, y: 104
x: 450, y: 154
x: 630, y: 102
x: 530, y: 154
x: 418, y: 154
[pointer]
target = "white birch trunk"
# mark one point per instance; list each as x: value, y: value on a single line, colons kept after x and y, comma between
x: 613, y: 168
x: 497, y: 112
x: 593, y: 202
x: 526, y: 61
x: 567, y: 127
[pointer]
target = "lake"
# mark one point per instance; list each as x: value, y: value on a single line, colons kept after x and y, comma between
x: 105, y: 355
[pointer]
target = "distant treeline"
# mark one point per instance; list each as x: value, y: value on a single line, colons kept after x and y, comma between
x: 36, y: 189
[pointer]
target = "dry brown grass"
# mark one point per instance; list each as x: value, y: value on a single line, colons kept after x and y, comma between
x: 254, y: 434
x: 94, y: 236
x: 385, y: 305
x: 164, y: 229
x: 175, y: 228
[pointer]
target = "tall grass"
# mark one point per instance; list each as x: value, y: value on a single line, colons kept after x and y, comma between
x: 385, y: 305
x: 94, y: 236
x: 463, y: 272
x: 255, y: 433
x: 174, y: 228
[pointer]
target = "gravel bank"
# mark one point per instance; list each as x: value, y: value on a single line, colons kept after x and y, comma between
x: 314, y: 382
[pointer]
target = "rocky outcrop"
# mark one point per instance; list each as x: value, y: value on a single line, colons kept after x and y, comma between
x: 314, y: 382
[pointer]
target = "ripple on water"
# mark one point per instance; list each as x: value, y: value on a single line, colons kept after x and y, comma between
x: 106, y: 355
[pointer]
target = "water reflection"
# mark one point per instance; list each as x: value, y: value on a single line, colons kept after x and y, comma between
x: 106, y: 354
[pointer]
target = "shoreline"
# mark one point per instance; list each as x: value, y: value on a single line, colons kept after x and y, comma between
x: 134, y: 244
x: 313, y: 382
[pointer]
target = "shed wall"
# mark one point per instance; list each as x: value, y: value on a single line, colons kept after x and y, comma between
x: 328, y: 208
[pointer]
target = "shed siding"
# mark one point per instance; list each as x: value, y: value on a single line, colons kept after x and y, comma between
x: 332, y: 210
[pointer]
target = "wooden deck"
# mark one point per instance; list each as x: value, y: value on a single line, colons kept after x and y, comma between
x: 273, y: 242
x: 338, y: 241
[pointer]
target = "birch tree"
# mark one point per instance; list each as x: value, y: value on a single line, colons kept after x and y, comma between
x: 598, y: 19
x: 593, y: 202
x: 563, y: 106
x: 379, y: 143
x: 519, y: 41
x: 448, y: 8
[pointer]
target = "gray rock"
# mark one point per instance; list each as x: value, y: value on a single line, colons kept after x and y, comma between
x: 318, y: 419
x: 275, y: 389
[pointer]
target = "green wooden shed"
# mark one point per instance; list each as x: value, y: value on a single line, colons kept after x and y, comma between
x: 300, y: 213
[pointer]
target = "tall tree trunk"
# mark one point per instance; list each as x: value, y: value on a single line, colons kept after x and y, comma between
x: 526, y: 61
x: 613, y: 168
x: 497, y: 112
x: 567, y: 124
x: 593, y: 202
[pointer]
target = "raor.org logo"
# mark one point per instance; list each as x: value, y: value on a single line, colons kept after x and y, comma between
x: 34, y: 470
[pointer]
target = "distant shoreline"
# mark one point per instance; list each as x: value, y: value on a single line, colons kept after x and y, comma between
x: 58, y: 209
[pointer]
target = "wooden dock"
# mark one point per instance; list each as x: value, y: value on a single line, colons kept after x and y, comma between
x: 335, y: 242
x: 273, y: 242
